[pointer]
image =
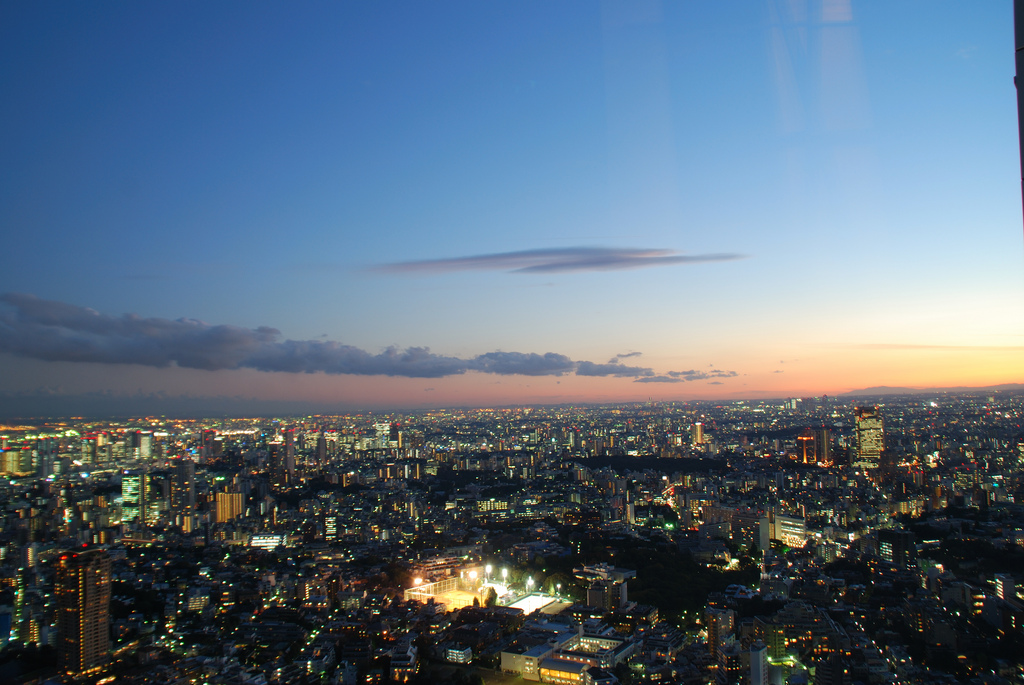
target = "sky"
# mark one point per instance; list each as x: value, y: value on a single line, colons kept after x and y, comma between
x: 402, y: 205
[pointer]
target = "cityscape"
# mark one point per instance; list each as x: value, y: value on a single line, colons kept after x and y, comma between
x: 631, y: 342
x: 811, y: 540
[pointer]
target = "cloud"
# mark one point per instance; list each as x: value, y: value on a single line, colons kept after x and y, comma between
x: 626, y: 355
x: 613, y: 369
x: 518, y: 363
x: 694, y: 375
x: 55, y: 331
x: 686, y: 376
x: 555, y: 260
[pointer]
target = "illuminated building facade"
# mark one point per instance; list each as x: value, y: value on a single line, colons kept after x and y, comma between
x: 870, y: 436
x: 229, y: 506
x: 83, y: 608
x: 134, y: 491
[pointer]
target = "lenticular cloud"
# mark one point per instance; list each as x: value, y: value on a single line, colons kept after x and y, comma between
x: 556, y: 260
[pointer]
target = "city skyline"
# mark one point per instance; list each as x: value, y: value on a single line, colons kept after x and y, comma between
x: 504, y: 205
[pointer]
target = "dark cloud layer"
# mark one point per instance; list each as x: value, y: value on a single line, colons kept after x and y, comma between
x: 55, y: 331
x: 556, y: 260
x: 685, y: 376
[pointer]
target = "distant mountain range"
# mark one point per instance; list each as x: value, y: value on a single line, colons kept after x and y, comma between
x: 888, y: 390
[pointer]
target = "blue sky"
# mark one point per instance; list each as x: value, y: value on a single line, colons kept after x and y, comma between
x: 251, y: 164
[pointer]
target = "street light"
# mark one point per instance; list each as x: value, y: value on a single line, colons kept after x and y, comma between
x: 488, y: 569
x: 558, y: 589
x: 529, y: 584
x: 504, y: 574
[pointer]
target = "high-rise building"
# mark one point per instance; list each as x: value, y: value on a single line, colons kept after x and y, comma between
x: 208, y: 438
x: 697, y: 433
x: 721, y: 623
x: 870, y: 437
x: 321, y: 450
x: 289, y: 453
x: 229, y: 506
x: 134, y: 496
x: 897, y: 546
x: 183, y: 488
x: 141, y: 443
x: 331, y: 436
x: 82, y: 589
x: 759, y: 663
x: 281, y: 464
x: 805, y: 448
x: 46, y: 457
x: 10, y: 462
x: 823, y: 446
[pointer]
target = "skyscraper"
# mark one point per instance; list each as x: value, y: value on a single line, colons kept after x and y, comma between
x: 209, y: 444
x: 229, y: 506
x: 134, y: 496
x: 183, y: 488
x: 46, y: 456
x: 870, y: 436
x: 83, y: 604
x: 321, y: 450
x: 823, y: 446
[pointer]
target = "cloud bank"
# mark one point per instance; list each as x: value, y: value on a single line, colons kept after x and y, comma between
x: 56, y: 331
x: 555, y: 260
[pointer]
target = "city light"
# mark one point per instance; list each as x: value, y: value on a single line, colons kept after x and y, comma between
x: 291, y: 556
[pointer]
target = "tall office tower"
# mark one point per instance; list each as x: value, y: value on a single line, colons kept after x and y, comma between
x: 331, y: 436
x: 134, y: 496
x: 805, y: 447
x: 289, y: 441
x: 83, y: 607
x: 698, y: 433
x: 382, y: 432
x: 321, y: 450
x: 46, y: 456
x: 183, y: 488
x: 229, y: 506
x: 870, y: 438
x: 395, y: 435
x: 209, y: 438
x: 823, y: 446
x: 87, y: 450
x: 275, y: 457
x: 142, y: 444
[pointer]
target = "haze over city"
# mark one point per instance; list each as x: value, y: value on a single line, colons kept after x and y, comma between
x: 373, y: 206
